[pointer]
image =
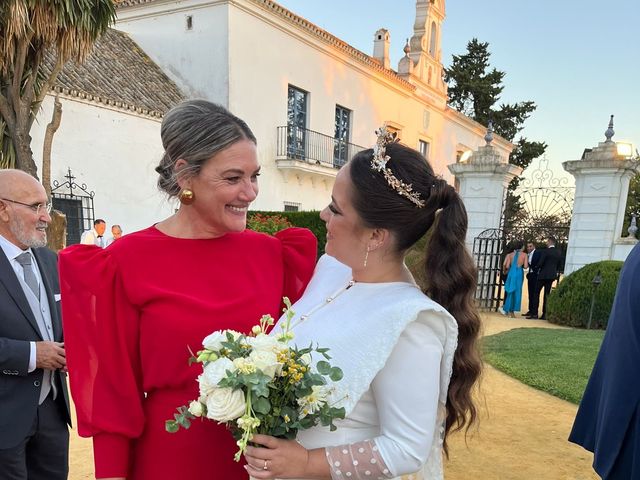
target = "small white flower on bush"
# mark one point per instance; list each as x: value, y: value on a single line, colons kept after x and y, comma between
x: 305, y: 359
x: 196, y: 408
x: 225, y: 404
x: 266, y: 361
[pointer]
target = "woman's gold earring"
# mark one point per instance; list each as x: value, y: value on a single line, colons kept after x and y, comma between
x: 366, y: 257
x: 186, y: 196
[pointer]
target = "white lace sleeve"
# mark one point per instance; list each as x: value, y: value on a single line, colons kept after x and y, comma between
x: 361, y: 461
x: 407, y: 392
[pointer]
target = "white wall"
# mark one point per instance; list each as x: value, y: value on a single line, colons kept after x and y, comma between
x: 198, y: 59
x: 114, y: 154
x: 245, y: 56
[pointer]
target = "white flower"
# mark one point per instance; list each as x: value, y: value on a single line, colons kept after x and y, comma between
x: 314, y: 401
x: 225, y: 404
x: 214, y: 341
x: 196, y: 408
x: 213, y: 373
x: 305, y: 359
x: 263, y: 342
x: 266, y: 361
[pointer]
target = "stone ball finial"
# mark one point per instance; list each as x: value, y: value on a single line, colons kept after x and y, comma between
x: 489, y: 135
x: 406, y: 48
x: 609, y: 133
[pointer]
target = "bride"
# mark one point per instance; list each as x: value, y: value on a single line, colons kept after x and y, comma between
x: 409, y: 358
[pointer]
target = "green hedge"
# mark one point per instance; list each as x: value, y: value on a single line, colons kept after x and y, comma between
x: 308, y: 219
x: 570, y: 303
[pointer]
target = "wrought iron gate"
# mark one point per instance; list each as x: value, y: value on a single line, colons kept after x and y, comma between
x: 76, y: 205
x: 544, y: 209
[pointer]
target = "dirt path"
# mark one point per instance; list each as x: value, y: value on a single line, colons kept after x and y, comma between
x: 522, y: 433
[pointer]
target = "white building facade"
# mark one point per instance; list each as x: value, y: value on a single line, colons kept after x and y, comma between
x: 311, y: 100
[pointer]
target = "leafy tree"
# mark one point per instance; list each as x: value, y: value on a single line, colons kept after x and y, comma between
x: 474, y: 88
x: 30, y: 31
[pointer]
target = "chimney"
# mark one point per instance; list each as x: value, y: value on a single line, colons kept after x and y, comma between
x: 381, y: 47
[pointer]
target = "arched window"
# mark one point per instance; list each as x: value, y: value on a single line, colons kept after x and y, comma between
x: 434, y: 40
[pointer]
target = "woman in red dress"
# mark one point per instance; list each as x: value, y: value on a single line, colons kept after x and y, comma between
x: 133, y: 311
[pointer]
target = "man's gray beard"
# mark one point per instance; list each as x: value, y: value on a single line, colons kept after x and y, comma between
x: 19, y: 231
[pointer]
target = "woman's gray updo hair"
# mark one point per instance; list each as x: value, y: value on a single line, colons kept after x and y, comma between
x: 195, y: 131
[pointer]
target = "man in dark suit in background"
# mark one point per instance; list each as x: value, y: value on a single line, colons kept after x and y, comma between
x: 548, y: 265
x: 532, y: 275
x: 34, y: 403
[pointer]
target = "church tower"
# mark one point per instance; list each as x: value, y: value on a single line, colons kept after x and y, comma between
x: 424, y: 47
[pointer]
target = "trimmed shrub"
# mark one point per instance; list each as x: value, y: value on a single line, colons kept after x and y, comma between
x: 569, y: 304
x: 308, y: 219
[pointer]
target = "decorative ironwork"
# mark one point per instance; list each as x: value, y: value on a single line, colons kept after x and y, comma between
x: 76, y: 205
x: 312, y: 147
x: 488, y: 248
x: 544, y: 208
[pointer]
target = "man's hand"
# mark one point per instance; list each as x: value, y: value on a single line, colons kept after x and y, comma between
x: 50, y: 355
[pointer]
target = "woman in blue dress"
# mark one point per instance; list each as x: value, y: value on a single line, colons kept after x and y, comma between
x: 513, y: 267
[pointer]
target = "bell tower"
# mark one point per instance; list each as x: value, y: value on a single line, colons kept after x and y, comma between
x: 424, y: 46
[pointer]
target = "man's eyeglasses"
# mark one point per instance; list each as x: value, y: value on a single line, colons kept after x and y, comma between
x: 36, y: 207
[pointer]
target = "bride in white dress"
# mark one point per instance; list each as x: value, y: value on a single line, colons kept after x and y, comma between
x: 410, y: 364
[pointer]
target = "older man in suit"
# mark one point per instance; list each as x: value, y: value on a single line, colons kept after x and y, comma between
x: 34, y: 403
x: 548, y: 267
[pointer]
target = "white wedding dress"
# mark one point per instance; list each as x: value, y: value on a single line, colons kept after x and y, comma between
x: 395, y: 347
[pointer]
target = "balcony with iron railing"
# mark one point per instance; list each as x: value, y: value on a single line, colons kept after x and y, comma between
x: 303, y: 151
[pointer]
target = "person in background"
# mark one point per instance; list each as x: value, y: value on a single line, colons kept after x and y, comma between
x: 95, y: 236
x: 608, y: 419
x: 513, y: 267
x: 34, y: 404
x: 116, y: 233
x: 153, y: 295
x: 548, y: 267
x: 533, y: 257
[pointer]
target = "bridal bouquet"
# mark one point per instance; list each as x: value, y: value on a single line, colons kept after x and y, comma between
x: 261, y: 384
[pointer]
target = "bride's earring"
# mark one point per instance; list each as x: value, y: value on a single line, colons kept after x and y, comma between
x: 366, y: 257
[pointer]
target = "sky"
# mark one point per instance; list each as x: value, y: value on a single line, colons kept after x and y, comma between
x: 578, y: 60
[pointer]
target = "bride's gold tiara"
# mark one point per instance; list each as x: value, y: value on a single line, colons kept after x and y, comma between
x: 379, y: 163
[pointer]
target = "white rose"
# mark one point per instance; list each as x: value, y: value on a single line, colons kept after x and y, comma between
x: 266, y: 361
x: 225, y: 404
x: 216, y: 371
x: 214, y: 341
x: 263, y: 342
x: 196, y: 408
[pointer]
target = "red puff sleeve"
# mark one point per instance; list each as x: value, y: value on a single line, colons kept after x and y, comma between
x: 299, y: 253
x: 101, y: 342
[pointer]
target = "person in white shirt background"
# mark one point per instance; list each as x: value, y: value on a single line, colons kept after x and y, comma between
x: 116, y: 233
x: 95, y: 236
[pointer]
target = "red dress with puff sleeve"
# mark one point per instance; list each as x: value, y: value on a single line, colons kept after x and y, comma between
x: 132, y: 311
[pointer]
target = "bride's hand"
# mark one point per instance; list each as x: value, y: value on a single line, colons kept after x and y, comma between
x: 278, y: 459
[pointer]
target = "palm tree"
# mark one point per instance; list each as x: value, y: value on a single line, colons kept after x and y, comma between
x: 29, y: 31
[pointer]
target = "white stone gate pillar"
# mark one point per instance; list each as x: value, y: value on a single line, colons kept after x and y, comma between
x: 483, y: 181
x: 602, y: 184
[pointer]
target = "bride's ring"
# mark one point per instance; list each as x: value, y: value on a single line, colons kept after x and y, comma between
x: 266, y: 467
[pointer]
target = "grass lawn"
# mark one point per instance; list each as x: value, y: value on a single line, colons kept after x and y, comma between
x: 555, y: 361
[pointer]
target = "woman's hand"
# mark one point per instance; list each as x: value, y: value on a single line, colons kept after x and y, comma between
x: 278, y: 459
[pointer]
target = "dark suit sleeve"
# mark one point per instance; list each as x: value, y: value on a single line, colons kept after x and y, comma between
x: 14, y: 356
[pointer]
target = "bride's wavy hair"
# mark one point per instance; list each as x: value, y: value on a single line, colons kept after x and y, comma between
x: 449, y: 271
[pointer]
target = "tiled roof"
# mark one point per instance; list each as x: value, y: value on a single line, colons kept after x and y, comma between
x: 314, y: 30
x: 118, y: 73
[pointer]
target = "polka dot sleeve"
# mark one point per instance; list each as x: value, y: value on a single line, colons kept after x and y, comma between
x: 361, y: 460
